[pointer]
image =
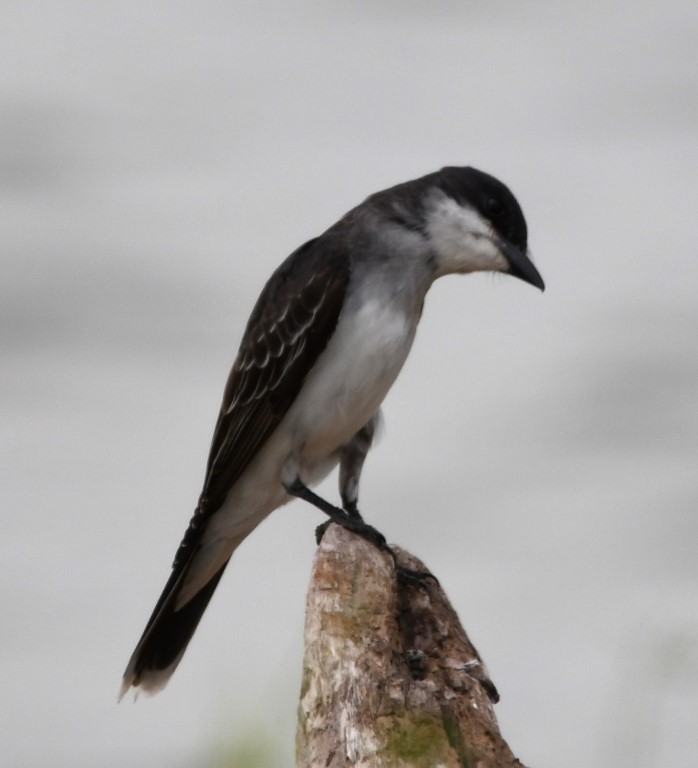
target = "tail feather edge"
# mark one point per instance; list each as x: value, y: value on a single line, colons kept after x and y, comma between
x: 167, y: 634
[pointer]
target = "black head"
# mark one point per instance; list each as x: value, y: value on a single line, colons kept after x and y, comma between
x: 494, y: 203
x: 485, y: 231
x: 490, y: 198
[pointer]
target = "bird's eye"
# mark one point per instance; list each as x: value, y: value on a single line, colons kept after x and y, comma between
x: 493, y: 206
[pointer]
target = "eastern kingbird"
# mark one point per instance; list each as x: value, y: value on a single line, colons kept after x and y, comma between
x: 325, y: 342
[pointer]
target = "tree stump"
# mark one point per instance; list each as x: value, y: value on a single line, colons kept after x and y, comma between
x: 390, y: 678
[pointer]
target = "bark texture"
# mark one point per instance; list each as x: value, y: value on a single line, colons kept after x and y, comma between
x: 390, y: 678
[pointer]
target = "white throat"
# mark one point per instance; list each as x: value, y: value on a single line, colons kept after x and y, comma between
x: 461, y: 239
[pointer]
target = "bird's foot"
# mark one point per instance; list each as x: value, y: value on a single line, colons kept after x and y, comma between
x: 349, y: 518
x: 321, y: 530
x: 350, y: 510
x: 356, y: 526
x: 405, y: 575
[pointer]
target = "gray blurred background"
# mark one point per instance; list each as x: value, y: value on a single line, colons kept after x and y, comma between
x: 157, y: 161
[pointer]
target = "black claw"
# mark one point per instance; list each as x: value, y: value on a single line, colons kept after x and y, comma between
x: 321, y: 530
x: 355, y: 525
x: 375, y: 537
x: 366, y: 531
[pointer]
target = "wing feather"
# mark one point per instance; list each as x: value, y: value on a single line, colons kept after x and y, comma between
x: 289, y: 328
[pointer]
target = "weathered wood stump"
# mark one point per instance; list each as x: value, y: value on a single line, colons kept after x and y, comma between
x: 390, y: 678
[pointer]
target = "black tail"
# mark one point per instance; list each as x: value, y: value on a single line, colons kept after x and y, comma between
x: 167, y: 634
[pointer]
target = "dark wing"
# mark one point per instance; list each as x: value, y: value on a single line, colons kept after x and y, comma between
x: 290, y: 326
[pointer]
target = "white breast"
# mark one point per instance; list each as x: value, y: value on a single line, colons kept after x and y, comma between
x: 351, y: 378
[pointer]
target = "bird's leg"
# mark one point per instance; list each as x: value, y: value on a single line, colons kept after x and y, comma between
x: 351, y: 461
x: 352, y: 521
x: 350, y: 509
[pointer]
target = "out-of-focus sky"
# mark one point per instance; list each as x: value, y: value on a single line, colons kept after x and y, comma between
x: 157, y: 161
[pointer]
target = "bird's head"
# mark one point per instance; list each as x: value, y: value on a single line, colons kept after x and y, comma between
x: 474, y: 223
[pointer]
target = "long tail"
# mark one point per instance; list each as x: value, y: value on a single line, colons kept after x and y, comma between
x: 167, y: 633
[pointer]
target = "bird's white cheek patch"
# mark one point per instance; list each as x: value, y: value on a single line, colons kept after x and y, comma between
x: 483, y: 254
x: 462, y: 239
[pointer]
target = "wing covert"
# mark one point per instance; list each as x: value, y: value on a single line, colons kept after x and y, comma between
x: 288, y: 329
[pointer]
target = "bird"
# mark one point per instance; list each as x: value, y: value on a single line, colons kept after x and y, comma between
x: 324, y: 343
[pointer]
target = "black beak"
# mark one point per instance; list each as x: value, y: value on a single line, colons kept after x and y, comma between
x: 520, y: 265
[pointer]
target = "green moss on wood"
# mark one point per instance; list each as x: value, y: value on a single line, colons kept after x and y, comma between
x: 420, y: 741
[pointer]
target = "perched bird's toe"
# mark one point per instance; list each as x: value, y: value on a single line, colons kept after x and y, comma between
x: 321, y: 530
